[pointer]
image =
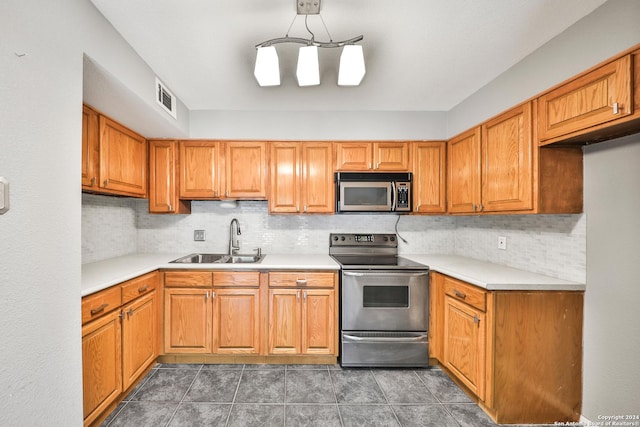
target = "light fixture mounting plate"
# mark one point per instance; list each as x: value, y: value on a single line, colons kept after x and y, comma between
x: 308, y: 7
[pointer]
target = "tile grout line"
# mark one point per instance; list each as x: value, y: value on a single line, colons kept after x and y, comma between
x: 385, y: 397
x: 233, y: 400
x: 335, y: 397
x: 183, y: 396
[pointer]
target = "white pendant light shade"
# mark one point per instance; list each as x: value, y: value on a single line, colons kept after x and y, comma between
x: 352, y: 68
x: 308, y: 71
x: 267, y: 70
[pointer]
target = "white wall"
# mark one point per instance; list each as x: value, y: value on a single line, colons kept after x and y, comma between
x: 41, y: 62
x: 612, y: 300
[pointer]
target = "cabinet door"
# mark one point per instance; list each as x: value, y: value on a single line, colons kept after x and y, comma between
x: 318, y: 321
x: 391, y: 156
x: 284, y: 191
x: 187, y: 320
x: 429, y: 170
x: 90, y: 148
x: 284, y: 321
x: 317, y: 178
x: 246, y: 166
x: 139, y: 337
x: 353, y: 156
x: 101, y: 364
x: 507, y: 161
x: 163, y: 179
x: 587, y: 101
x: 436, y: 315
x: 463, y: 182
x: 465, y: 344
x: 123, y: 159
x: 199, y: 170
x: 236, y: 321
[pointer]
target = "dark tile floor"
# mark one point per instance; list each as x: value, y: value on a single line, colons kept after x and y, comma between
x: 295, y: 395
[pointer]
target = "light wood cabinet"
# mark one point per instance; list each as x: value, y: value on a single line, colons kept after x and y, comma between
x: 163, y: 179
x: 302, y: 318
x: 101, y: 365
x: 246, y: 170
x: 600, y: 96
x: 123, y: 159
x: 518, y: 352
x: 200, y: 170
x: 497, y: 168
x: 301, y: 178
x: 114, y: 158
x: 429, y: 177
x: 90, y: 149
x: 119, y: 341
x: 187, y: 320
x: 376, y: 156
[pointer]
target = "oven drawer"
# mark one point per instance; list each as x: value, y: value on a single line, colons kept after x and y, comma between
x: 390, y: 349
x: 468, y: 294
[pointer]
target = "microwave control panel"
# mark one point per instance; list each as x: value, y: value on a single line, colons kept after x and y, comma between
x: 403, y: 199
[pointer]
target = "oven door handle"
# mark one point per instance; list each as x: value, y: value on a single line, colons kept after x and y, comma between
x: 348, y: 337
x: 385, y: 273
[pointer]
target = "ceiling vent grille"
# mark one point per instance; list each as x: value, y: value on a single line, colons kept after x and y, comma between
x: 165, y: 98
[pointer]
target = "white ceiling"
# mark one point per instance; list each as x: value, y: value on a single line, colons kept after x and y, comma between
x: 421, y: 55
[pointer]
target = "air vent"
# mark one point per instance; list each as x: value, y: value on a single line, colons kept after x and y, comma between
x: 165, y: 98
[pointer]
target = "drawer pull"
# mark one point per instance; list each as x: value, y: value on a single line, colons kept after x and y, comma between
x: 459, y: 294
x: 99, y: 309
x: 616, y: 108
x: 142, y: 289
x: 301, y: 282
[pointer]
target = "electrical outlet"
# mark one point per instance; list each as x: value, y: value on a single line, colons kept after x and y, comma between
x: 502, y: 242
x: 199, y: 235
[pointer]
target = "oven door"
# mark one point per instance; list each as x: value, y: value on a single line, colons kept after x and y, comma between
x: 383, y: 300
x: 365, y: 196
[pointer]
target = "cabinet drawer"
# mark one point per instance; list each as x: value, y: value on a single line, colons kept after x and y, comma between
x: 188, y: 279
x: 139, y: 286
x: 96, y: 305
x: 301, y: 278
x: 466, y: 293
x: 244, y: 279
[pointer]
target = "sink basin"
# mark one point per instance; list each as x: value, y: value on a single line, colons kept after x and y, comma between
x: 219, y: 259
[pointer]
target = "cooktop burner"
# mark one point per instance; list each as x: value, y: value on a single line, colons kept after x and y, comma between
x: 376, y: 262
x: 369, y: 252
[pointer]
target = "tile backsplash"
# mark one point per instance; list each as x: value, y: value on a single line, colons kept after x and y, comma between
x: 547, y: 244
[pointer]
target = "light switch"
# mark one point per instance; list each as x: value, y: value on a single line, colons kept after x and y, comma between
x: 4, y: 195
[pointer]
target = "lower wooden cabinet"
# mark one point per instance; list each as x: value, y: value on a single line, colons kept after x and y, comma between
x: 118, y: 342
x: 518, y: 352
x: 187, y: 320
x: 236, y: 321
x: 101, y: 365
x: 302, y: 320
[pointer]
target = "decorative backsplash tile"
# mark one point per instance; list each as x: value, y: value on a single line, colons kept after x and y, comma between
x: 554, y: 245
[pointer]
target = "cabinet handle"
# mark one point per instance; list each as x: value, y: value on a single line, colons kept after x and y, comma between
x: 298, y: 295
x: 304, y: 295
x: 301, y: 282
x: 142, y: 289
x: 106, y: 182
x: 93, y: 181
x: 305, y: 208
x: 121, y: 315
x: 481, y: 207
x: 473, y: 207
x: 476, y: 320
x: 99, y: 309
x: 170, y: 207
x: 459, y: 294
x: 616, y: 108
x: 226, y: 193
x: 213, y: 295
x: 206, y: 296
x: 130, y: 313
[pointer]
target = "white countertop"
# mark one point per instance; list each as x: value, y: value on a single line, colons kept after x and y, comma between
x: 493, y: 276
x: 99, y: 275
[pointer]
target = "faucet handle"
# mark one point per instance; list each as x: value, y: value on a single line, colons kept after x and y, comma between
x: 258, y: 251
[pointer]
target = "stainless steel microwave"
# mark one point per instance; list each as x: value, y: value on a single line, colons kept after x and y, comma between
x: 373, y: 191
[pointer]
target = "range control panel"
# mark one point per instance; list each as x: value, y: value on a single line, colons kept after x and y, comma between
x: 360, y: 240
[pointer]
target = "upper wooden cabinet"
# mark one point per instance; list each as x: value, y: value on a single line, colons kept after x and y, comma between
x: 429, y: 171
x: 163, y: 179
x: 498, y: 168
x: 114, y: 158
x: 603, y: 95
x: 376, y: 156
x: 246, y: 170
x: 301, y: 177
x: 200, y: 175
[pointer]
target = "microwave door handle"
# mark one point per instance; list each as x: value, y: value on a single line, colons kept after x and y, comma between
x: 393, y: 196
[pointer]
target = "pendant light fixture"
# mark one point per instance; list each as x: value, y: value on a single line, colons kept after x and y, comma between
x: 351, y: 69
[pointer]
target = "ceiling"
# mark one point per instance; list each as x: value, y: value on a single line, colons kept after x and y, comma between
x: 421, y: 55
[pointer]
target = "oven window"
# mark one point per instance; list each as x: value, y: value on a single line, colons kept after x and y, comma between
x: 367, y: 196
x: 386, y: 296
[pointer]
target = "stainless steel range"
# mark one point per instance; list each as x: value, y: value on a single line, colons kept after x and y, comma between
x: 384, y: 302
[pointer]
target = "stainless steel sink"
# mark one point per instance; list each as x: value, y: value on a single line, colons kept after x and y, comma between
x: 220, y: 259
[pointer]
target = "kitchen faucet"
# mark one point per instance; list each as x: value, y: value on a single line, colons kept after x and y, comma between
x: 233, y: 249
